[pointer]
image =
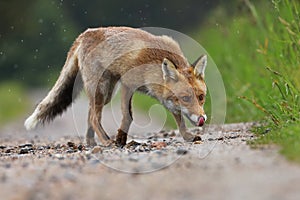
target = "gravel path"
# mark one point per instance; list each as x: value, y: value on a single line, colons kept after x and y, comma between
x: 54, y: 163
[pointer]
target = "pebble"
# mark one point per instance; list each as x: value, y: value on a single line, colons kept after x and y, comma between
x: 58, y: 156
x: 132, y: 143
x: 2, y: 147
x: 24, y: 151
x: 80, y: 147
x: 71, y: 144
x: 8, y: 150
x: 96, y: 149
x: 40, y: 148
x: 26, y: 145
x: 70, y: 151
x: 158, y: 145
x: 198, y: 142
x: 181, y: 151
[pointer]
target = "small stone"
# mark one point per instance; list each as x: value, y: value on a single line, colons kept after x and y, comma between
x: 70, y: 151
x: 146, y: 149
x: 8, y: 150
x: 58, y: 156
x: 198, y: 142
x: 2, y: 147
x: 139, y: 148
x: 71, y: 144
x: 132, y: 143
x: 158, y: 145
x: 96, y: 149
x: 197, y: 138
x: 267, y: 131
x: 24, y: 151
x: 40, y: 148
x: 80, y: 147
x: 181, y: 151
x: 26, y: 145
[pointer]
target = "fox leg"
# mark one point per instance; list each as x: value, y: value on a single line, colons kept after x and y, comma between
x: 182, y: 129
x: 98, y: 97
x: 97, y: 102
x: 95, y: 120
x: 90, y: 134
x: 126, y: 98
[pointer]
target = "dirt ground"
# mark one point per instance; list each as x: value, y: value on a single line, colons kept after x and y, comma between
x: 54, y: 163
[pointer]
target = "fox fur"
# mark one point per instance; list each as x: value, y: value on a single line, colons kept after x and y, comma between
x: 140, y: 61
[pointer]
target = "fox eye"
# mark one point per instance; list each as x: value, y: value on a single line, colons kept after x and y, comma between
x: 186, y: 98
x: 201, y: 97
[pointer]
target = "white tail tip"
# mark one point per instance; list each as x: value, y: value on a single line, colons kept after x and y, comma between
x: 32, y: 121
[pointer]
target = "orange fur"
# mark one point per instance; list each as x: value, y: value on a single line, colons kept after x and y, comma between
x: 142, y: 62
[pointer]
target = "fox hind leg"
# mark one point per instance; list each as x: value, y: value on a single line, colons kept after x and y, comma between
x: 98, y: 98
x: 97, y: 102
x: 95, y: 121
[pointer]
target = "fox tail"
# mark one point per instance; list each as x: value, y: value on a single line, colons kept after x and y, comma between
x: 61, y: 95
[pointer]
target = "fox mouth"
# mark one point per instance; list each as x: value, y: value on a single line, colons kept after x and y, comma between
x: 201, y: 121
x: 197, y: 120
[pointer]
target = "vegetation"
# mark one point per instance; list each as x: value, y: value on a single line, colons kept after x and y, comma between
x: 257, y: 53
x: 13, y: 101
x: 283, y: 60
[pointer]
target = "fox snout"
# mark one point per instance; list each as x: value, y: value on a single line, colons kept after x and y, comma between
x: 198, y: 120
x: 201, y: 120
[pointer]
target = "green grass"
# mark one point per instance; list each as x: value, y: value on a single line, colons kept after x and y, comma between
x: 13, y: 101
x: 232, y: 40
x: 257, y: 50
x: 287, y: 138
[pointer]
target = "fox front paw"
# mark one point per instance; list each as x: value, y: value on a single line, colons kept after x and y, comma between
x: 188, y: 137
x: 121, y: 138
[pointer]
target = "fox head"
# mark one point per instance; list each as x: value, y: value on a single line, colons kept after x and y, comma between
x: 185, y: 95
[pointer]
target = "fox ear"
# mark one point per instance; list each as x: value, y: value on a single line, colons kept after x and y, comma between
x: 200, y: 65
x: 169, y: 70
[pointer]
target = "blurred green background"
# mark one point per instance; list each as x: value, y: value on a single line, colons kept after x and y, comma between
x: 255, y: 45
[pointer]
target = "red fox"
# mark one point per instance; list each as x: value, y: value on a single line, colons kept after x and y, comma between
x: 140, y: 61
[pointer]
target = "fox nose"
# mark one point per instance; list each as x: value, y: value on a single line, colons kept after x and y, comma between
x: 201, y: 120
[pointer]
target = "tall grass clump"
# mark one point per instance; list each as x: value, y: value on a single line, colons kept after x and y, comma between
x: 256, y: 46
x: 282, y: 56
